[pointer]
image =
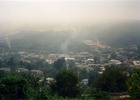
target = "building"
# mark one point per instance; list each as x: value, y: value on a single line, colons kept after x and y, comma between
x: 89, y: 61
x: 21, y: 70
x: 84, y: 81
x: 5, y: 69
x: 115, y: 62
x: 70, y: 62
x: 37, y: 73
x: 49, y: 80
x: 136, y: 64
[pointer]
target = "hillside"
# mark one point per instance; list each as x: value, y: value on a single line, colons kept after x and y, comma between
x: 115, y: 35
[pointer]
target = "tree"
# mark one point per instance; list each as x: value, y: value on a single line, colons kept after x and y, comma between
x: 97, y: 59
x: 41, y: 95
x: 59, y: 63
x: 11, y: 63
x: 66, y: 84
x: 83, y: 74
x: 14, y: 88
x: 112, y: 80
x: 133, y: 84
x: 93, y: 75
x: 93, y: 93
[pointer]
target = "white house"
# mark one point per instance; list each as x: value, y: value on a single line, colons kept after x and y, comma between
x: 21, y: 70
x: 84, y: 81
x: 115, y: 62
x: 136, y: 63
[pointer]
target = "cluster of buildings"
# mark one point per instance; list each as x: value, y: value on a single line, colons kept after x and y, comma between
x: 101, y: 57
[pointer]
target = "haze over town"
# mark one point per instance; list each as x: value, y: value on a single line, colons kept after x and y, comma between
x: 69, y: 49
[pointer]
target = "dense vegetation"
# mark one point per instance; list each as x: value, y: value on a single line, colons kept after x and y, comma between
x: 66, y: 85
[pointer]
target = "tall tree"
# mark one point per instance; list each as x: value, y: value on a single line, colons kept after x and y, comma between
x: 66, y: 84
x: 59, y: 63
x: 14, y: 88
x: 112, y: 80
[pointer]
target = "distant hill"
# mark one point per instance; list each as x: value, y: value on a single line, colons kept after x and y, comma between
x: 115, y: 35
x: 119, y: 34
x: 51, y: 41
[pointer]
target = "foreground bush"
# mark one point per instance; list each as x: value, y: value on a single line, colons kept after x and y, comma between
x: 133, y: 84
x: 65, y: 84
x: 14, y: 88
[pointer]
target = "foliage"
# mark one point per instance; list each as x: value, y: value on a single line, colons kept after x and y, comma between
x: 133, y: 84
x: 93, y: 75
x: 33, y: 81
x: 41, y: 95
x: 93, y: 93
x: 66, y: 84
x: 112, y: 80
x: 3, y: 74
x: 50, y: 72
x: 14, y: 88
x: 59, y: 63
x: 83, y: 74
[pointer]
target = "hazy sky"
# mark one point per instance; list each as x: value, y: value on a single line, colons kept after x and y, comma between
x: 17, y: 13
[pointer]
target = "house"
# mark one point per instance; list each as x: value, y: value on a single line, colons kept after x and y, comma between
x: 49, y: 80
x: 53, y: 57
x: 84, y: 81
x: 5, y: 69
x: 49, y: 61
x: 115, y: 62
x: 136, y: 64
x: 128, y: 63
x: 37, y: 73
x: 70, y: 61
x: 100, y: 72
x: 21, y: 70
x: 89, y: 61
x: 94, y: 65
x: 102, y: 68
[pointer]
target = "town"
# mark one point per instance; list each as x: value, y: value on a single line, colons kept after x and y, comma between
x: 38, y: 62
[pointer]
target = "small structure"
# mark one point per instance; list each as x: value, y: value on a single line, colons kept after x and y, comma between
x: 90, y: 61
x: 70, y: 61
x: 37, y: 73
x: 102, y: 68
x: 21, y: 70
x: 136, y: 64
x: 49, y: 61
x: 94, y: 65
x: 49, y: 80
x: 115, y: 62
x: 5, y: 69
x: 84, y: 81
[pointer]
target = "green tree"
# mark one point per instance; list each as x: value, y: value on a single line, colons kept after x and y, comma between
x: 59, y: 63
x: 11, y: 63
x: 93, y: 75
x: 33, y: 81
x: 41, y: 95
x: 93, y: 93
x: 83, y: 74
x: 133, y: 84
x: 14, y: 88
x: 66, y: 84
x: 112, y: 80
x: 97, y: 59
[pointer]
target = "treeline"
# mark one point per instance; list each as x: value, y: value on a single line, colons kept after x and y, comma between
x: 66, y: 85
